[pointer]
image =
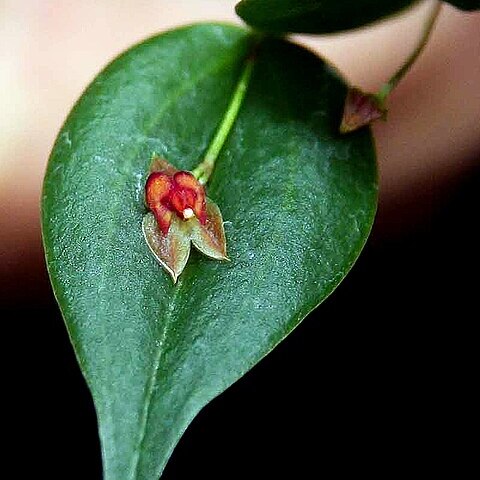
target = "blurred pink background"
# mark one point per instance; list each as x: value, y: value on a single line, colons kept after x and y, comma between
x: 51, y: 49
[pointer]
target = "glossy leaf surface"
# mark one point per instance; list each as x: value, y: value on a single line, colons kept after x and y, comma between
x: 316, y: 16
x: 298, y: 200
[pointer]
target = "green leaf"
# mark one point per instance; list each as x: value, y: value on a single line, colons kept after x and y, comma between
x: 465, y: 4
x: 316, y: 16
x: 298, y: 200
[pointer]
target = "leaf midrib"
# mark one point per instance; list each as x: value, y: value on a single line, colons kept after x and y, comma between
x: 168, y: 318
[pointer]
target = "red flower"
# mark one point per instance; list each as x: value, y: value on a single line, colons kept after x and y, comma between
x: 179, y: 194
x: 181, y: 214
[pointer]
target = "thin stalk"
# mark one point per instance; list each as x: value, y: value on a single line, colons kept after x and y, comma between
x: 387, y: 88
x: 203, y: 171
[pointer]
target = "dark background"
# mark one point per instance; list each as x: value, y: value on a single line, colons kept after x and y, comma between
x: 378, y: 380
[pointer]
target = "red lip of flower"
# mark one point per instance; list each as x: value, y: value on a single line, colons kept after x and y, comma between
x: 180, y: 214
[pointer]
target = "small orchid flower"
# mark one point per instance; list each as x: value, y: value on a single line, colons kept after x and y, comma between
x: 180, y: 214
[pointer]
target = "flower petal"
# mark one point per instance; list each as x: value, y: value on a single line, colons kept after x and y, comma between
x: 157, y: 192
x: 157, y: 188
x: 171, y: 250
x: 210, y: 238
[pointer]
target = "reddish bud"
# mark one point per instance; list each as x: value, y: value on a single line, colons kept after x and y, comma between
x: 360, y: 109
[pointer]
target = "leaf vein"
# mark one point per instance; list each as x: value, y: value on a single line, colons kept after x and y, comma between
x: 168, y: 320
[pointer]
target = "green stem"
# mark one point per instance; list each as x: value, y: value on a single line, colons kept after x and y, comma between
x: 203, y: 171
x: 387, y: 88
